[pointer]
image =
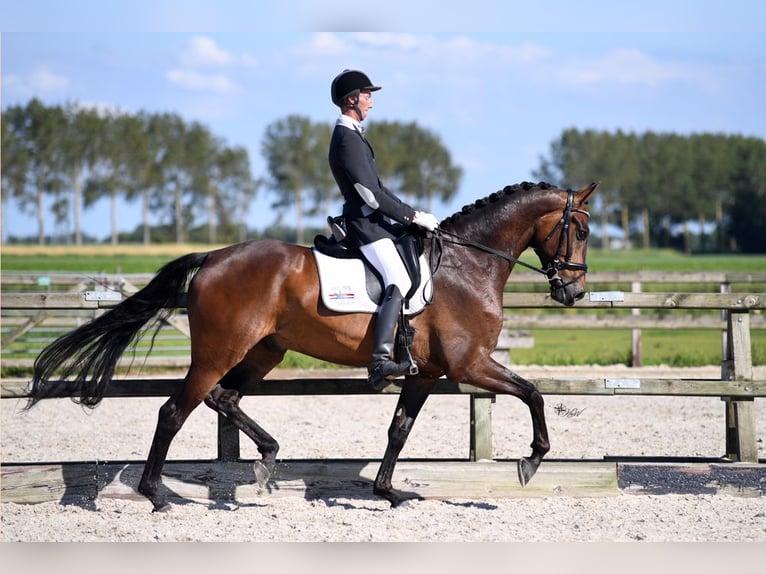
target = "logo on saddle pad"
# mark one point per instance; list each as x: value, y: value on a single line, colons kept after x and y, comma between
x: 345, y: 285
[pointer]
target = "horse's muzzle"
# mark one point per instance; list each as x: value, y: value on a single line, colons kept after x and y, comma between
x: 566, y: 293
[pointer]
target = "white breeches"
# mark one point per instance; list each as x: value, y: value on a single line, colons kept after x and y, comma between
x: 382, y: 254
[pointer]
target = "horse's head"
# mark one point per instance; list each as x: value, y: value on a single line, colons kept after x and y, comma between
x: 561, y: 241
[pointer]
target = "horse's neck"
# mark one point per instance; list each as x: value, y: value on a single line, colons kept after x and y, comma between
x: 506, y: 228
x: 509, y: 232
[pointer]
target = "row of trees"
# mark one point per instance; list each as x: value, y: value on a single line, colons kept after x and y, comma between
x: 183, y: 175
x: 190, y: 182
x: 77, y: 156
x: 654, y: 182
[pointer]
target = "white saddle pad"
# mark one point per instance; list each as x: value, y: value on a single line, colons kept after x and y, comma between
x: 343, y: 286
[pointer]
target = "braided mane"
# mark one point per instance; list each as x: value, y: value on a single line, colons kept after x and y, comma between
x: 494, y: 197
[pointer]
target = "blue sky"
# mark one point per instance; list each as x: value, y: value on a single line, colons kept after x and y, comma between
x: 497, y: 98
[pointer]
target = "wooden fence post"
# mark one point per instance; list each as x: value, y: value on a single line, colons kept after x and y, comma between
x: 228, y: 440
x: 741, y: 436
x: 727, y: 366
x: 636, y: 333
x: 481, y: 428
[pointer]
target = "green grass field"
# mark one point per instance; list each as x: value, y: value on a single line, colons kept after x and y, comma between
x: 551, y: 346
x: 147, y: 259
x: 676, y: 348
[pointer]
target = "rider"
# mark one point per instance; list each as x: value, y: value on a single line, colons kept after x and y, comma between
x: 374, y: 215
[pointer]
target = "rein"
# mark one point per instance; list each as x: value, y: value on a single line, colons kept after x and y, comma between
x: 459, y: 240
x: 551, y: 272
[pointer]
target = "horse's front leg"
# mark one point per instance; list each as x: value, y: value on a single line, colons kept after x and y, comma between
x: 528, y: 393
x: 493, y: 377
x: 413, y: 396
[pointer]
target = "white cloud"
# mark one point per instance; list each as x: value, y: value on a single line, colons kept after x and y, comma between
x: 331, y: 43
x: 461, y: 66
x: 201, y: 64
x: 197, y: 81
x: 327, y: 43
x: 392, y: 40
x: 202, y: 52
x: 48, y: 81
x: 464, y: 59
x: 453, y: 51
x: 41, y: 81
x: 630, y: 68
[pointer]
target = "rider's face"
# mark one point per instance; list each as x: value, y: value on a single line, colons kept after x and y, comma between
x: 365, y: 103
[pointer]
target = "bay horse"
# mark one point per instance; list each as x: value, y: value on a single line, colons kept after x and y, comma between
x: 249, y: 303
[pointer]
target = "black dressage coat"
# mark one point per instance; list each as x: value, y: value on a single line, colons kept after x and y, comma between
x: 373, y: 214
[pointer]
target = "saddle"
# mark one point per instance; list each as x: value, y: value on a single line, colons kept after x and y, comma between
x: 349, y: 284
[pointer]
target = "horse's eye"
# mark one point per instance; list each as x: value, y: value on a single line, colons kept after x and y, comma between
x: 582, y: 234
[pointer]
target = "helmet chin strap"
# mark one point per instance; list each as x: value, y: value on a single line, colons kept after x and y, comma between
x: 355, y: 106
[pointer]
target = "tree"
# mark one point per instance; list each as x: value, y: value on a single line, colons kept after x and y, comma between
x: 80, y: 144
x: 711, y: 158
x: 197, y: 162
x: 33, y: 132
x: 574, y: 159
x: 171, y: 147
x: 12, y: 164
x: 426, y: 168
x: 122, y: 167
x: 78, y: 157
x: 295, y: 154
x: 324, y: 190
x: 747, y: 213
x: 414, y: 163
x: 223, y: 185
x: 236, y: 188
x: 671, y: 180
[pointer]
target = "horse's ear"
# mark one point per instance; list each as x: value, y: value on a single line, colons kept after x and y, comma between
x: 583, y: 194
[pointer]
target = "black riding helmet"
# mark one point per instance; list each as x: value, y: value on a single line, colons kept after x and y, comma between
x: 349, y: 83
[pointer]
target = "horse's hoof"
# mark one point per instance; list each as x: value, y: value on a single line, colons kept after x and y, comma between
x: 161, y: 507
x: 526, y: 471
x: 262, y: 473
x: 397, y: 498
x: 407, y: 502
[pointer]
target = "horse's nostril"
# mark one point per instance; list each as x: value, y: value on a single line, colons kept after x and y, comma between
x: 580, y: 295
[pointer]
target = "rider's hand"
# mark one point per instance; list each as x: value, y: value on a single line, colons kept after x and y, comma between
x: 425, y: 220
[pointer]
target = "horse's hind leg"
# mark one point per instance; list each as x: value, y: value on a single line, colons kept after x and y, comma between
x: 225, y: 397
x: 171, y: 418
x: 226, y: 402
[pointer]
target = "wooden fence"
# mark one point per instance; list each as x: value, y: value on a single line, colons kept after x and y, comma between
x: 736, y: 385
x: 25, y: 334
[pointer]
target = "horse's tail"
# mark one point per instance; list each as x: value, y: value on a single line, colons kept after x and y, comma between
x: 89, y: 354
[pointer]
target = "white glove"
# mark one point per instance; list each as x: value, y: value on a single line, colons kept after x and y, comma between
x: 426, y: 220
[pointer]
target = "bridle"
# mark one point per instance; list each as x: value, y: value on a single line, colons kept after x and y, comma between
x: 557, y: 264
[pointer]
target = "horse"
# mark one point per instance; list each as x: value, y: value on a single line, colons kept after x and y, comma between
x: 248, y: 303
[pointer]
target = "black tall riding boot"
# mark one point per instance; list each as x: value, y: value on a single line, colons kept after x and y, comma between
x: 383, y: 365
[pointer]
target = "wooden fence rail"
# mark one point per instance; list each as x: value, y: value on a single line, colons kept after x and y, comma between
x: 736, y: 385
x: 90, y: 300
x: 22, y: 329
x: 695, y: 278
